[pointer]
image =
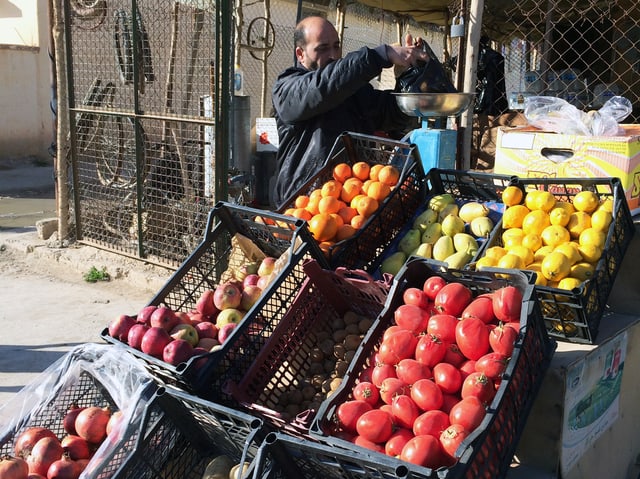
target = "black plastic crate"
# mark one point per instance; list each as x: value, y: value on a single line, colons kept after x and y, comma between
x: 284, y: 364
x: 275, y: 235
x: 362, y: 249
x: 489, y: 449
x: 575, y: 315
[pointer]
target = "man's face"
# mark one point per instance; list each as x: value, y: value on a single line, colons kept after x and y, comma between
x: 323, y: 46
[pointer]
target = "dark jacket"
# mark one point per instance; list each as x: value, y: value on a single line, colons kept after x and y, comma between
x: 312, y: 108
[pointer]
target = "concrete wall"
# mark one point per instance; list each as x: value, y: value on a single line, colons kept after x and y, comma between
x: 26, y: 119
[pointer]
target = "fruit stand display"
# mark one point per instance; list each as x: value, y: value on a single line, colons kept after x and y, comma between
x: 208, y: 288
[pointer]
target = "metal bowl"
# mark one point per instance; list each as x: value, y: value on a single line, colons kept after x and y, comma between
x: 433, y: 104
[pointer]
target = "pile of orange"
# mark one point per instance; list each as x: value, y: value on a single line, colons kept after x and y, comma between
x: 343, y: 204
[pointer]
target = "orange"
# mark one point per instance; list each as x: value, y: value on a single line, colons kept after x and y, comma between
x: 358, y: 221
x: 331, y: 188
x: 374, y: 171
x: 317, y: 193
x: 338, y: 218
x: 325, y: 247
x: 312, y: 205
x: 378, y: 190
x: 341, y: 172
x: 345, y: 231
x: 302, y: 201
x: 329, y: 204
x: 289, y: 211
x: 350, y: 189
x: 365, y: 186
x: 347, y: 213
x: 389, y: 175
x: 302, y: 213
x: 512, y: 195
x: 361, y: 170
x: 323, y: 227
x: 366, y: 206
x: 355, y: 199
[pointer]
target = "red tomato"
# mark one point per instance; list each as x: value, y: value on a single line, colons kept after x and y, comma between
x: 381, y: 372
x: 375, y: 425
x: 426, y: 394
x: 451, y: 438
x: 479, y: 385
x: 404, y: 410
x: 390, y: 330
x: 423, y: 451
x: 507, y: 303
x: 468, y: 412
x: 366, y: 391
x: 502, y: 339
x: 472, y: 337
x: 416, y: 297
x: 431, y: 422
x: 443, y: 326
x: 447, y: 377
x: 433, y: 285
x: 466, y: 368
x: 364, y: 442
x: 452, y: 299
x: 392, y: 387
x: 492, y: 365
x: 399, y: 345
x: 481, y: 308
x: 448, y: 401
x: 411, y: 317
x: 410, y: 370
x: 430, y: 350
x: 454, y: 356
x: 349, y: 412
x: 393, y: 446
x: 513, y: 324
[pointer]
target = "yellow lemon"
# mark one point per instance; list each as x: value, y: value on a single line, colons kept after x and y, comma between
x: 569, y: 283
x: 601, y: 219
x: 495, y: 252
x: 512, y: 233
x: 535, y: 222
x: 565, y: 205
x: 512, y: 241
x: 555, y: 266
x: 559, y: 216
x: 544, y: 201
x: 540, y: 279
x: 582, y: 271
x: 593, y: 236
x: 606, y: 204
x: 525, y: 253
x: 578, y: 222
x: 590, y: 252
x: 486, y: 262
x: 530, y: 199
x: 537, y: 268
x: 586, y: 201
x: 541, y: 253
x: 555, y: 235
x: 533, y: 241
x: 512, y: 195
x: 511, y: 261
x: 513, y: 216
x: 570, y: 250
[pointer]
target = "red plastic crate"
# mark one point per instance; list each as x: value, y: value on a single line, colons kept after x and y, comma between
x: 489, y: 449
x: 284, y: 364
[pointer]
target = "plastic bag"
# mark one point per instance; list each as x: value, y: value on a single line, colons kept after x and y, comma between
x: 557, y: 115
x: 425, y: 77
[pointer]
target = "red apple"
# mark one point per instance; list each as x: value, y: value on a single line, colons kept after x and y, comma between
x: 144, y: 316
x: 207, y: 343
x: 177, y: 351
x: 136, y: 333
x: 196, y: 317
x: 200, y: 352
x: 250, y: 296
x: 250, y: 280
x: 120, y: 326
x: 154, y: 341
x: 225, y: 332
x: 186, y: 332
x: 183, y: 317
x: 164, y: 318
x: 205, y: 304
x: 264, y: 282
x: 206, y: 329
x: 266, y: 266
x: 227, y: 316
x: 227, y: 295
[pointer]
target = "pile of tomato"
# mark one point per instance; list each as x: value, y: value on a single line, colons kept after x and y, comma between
x: 435, y: 370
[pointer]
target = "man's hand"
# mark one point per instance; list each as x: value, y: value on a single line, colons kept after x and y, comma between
x: 410, y: 54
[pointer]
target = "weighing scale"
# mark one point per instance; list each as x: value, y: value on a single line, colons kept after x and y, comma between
x: 436, y: 145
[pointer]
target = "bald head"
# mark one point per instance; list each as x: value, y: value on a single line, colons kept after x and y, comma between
x: 316, y: 42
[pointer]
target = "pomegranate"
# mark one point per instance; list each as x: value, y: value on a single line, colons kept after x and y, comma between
x: 13, y: 468
x: 63, y: 468
x: 76, y: 447
x: 69, y: 421
x: 44, y: 453
x: 114, y: 421
x: 91, y: 424
x: 28, y: 438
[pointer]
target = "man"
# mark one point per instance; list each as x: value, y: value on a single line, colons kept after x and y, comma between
x: 325, y: 95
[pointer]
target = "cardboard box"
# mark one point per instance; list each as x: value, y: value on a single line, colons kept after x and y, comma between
x: 531, y: 153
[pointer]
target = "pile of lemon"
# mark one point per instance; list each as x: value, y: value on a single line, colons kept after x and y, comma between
x: 561, y: 241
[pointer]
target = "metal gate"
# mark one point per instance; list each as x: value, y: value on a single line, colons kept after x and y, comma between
x: 149, y: 143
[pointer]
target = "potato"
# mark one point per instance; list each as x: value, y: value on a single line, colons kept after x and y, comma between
x: 352, y: 328
x: 339, y: 335
x: 316, y: 355
x: 322, y: 335
x: 337, y: 323
x: 316, y: 368
x: 326, y: 347
x: 351, y: 317
x: 348, y: 356
x: 335, y: 383
x: 329, y: 366
x: 339, y: 350
x: 308, y: 391
x: 341, y: 368
x: 365, y: 324
x: 352, y: 342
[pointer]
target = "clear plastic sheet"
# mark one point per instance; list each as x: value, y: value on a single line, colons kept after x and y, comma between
x: 555, y: 114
